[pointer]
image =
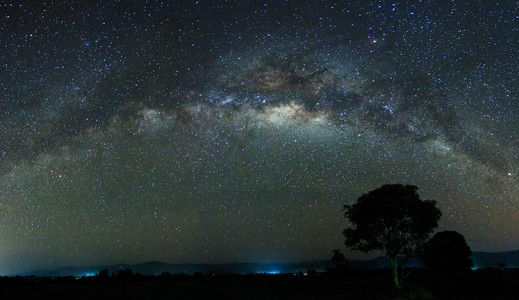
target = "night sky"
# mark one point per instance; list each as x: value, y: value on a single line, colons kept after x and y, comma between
x: 222, y: 131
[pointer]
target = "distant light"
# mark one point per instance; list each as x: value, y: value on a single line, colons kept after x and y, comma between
x: 89, y: 274
x: 474, y: 268
x: 273, y: 272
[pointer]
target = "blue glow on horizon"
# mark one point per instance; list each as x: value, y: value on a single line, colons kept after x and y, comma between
x: 89, y: 274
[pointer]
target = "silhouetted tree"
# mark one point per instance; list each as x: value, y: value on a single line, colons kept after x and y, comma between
x: 126, y: 273
x: 446, y: 250
x: 339, y: 260
x: 103, y: 273
x: 391, y: 218
x: 166, y: 275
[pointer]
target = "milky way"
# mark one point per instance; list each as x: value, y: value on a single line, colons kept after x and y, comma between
x: 212, y: 131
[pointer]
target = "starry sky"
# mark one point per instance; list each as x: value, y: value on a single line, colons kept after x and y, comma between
x: 235, y: 131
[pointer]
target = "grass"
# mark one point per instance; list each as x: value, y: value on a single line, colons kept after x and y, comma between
x: 354, y: 284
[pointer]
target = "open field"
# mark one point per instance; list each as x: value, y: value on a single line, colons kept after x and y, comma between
x: 369, y: 284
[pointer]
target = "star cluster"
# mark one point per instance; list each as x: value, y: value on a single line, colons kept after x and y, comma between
x: 222, y: 131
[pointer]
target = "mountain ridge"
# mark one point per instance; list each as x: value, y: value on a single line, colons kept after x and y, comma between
x: 481, y: 260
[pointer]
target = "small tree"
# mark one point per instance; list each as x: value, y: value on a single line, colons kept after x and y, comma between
x: 391, y: 218
x: 124, y: 274
x: 339, y: 260
x: 103, y: 274
x: 447, y: 250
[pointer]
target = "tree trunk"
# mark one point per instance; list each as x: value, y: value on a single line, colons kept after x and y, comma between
x: 394, y: 268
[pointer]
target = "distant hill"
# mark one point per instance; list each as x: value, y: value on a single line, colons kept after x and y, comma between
x: 492, y: 260
x: 481, y: 260
x: 157, y: 268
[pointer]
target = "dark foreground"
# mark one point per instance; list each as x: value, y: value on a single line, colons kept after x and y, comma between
x: 372, y: 284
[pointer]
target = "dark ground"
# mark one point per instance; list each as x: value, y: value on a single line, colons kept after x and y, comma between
x: 370, y: 284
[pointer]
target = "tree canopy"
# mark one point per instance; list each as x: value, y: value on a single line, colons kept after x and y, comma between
x: 447, y: 250
x: 391, y: 218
